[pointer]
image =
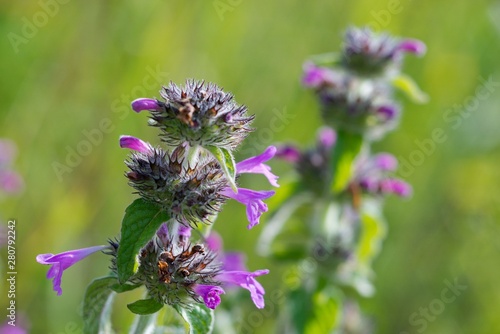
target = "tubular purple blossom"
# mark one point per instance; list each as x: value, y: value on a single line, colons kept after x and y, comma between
x: 412, y: 46
x: 388, y: 111
x: 247, y: 281
x: 288, y: 153
x: 141, y: 104
x: 63, y: 261
x: 397, y: 187
x: 253, y: 201
x: 385, y: 161
x: 135, y: 144
x: 315, y: 76
x: 256, y: 165
x: 210, y: 294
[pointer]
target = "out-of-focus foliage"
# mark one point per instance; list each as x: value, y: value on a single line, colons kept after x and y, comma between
x: 69, y: 71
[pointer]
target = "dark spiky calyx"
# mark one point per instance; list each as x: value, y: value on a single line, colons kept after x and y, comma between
x: 190, y: 194
x: 201, y: 114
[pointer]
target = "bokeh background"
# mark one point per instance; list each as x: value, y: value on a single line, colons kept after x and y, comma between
x: 69, y: 70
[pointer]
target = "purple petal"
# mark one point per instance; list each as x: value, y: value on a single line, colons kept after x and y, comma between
x: 412, y: 46
x: 388, y: 111
x: 288, y: 153
x: 234, y: 261
x: 214, y: 241
x: 256, y: 165
x: 63, y: 261
x: 396, y: 186
x: 385, y: 161
x: 10, y: 181
x: 327, y: 137
x: 315, y: 76
x: 253, y: 201
x: 162, y: 234
x: 144, y: 104
x: 247, y: 281
x: 210, y: 294
x: 135, y: 144
x: 184, y: 231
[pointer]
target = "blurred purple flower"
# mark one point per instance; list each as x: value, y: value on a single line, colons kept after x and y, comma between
x: 326, y: 137
x: 412, y: 46
x: 288, y: 153
x: 315, y: 76
x: 5, y: 328
x: 63, y: 261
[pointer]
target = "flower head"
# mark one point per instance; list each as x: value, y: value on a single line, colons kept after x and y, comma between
x: 63, y: 261
x: 370, y: 53
x: 199, y: 113
x: 358, y: 106
x: 191, y: 194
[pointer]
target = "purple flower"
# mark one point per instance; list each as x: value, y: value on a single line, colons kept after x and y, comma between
x: 253, y: 201
x: 210, y: 294
x: 10, y: 181
x: 63, y: 261
x: 256, y: 165
x: 253, y: 198
x: 135, y: 144
x: 412, y: 46
x: 162, y: 234
x: 141, y: 104
x: 385, y: 161
x: 327, y: 137
x: 388, y: 112
x: 315, y: 76
x: 233, y: 261
x: 396, y: 186
x: 288, y: 153
x: 5, y: 328
x: 247, y: 281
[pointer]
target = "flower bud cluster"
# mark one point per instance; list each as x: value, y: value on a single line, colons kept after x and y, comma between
x: 357, y: 96
x: 198, y: 113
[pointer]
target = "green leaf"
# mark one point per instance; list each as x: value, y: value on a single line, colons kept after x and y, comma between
x: 408, y: 86
x: 97, y: 306
x: 144, y: 324
x: 145, y: 306
x: 373, y: 231
x: 142, y: 219
x: 345, y: 150
x: 226, y: 161
x: 198, y: 317
x: 326, y: 312
x: 119, y: 288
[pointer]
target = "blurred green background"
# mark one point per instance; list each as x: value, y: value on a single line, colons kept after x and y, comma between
x: 71, y: 68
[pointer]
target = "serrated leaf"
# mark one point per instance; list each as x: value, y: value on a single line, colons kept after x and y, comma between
x: 145, y: 306
x: 408, y: 86
x: 144, y: 324
x: 142, y: 219
x: 344, y: 152
x: 198, y: 317
x: 119, y: 288
x: 97, y: 306
x: 226, y: 161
